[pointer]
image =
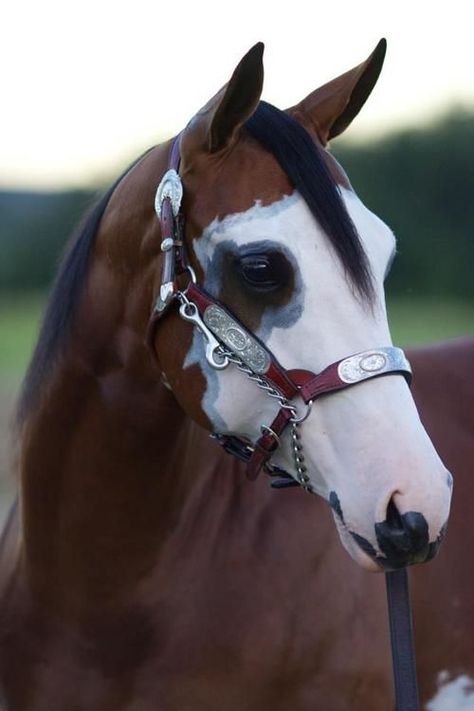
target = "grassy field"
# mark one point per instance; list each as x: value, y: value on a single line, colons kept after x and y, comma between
x: 415, y: 321
x: 412, y: 321
x: 19, y: 320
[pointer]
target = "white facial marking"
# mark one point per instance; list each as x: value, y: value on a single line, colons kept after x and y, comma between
x: 228, y: 391
x: 453, y: 694
x: 365, y: 443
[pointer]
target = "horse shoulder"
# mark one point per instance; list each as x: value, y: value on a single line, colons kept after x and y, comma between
x: 444, y: 393
x: 442, y: 591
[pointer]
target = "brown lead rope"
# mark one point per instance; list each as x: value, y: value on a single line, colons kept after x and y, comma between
x: 401, y: 637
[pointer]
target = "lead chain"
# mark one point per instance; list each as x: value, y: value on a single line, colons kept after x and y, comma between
x: 257, y: 379
x: 296, y: 444
x: 297, y: 448
x: 298, y: 458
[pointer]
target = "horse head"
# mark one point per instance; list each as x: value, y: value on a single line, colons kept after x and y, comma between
x: 275, y: 233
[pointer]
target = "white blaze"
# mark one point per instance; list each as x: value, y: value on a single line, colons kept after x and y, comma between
x: 366, y: 443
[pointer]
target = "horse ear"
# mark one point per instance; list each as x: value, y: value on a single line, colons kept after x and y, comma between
x: 236, y: 101
x: 332, y: 107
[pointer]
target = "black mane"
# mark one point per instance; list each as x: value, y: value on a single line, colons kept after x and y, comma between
x: 301, y: 160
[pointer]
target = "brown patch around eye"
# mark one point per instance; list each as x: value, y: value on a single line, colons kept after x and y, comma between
x: 248, y: 301
x: 263, y: 272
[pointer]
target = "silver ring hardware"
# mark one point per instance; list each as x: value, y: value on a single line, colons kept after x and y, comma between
x: 192, y: 274
x: 264, y: 429
x: 298, y: 420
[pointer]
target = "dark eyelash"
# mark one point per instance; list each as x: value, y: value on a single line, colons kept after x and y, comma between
x: 264, y: 271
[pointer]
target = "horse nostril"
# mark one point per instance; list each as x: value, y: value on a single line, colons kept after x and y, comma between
x: 416, y: 527
x: 393, y: 520
x: 403, y: 538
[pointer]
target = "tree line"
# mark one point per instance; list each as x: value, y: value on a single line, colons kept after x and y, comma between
x: 419, y: 181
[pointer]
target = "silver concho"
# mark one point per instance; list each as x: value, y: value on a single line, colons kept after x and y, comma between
x: 170, y: 187
x: 369, y: 363
x: 167, y: 244
x: 373, y: 362
x: 237, y: 339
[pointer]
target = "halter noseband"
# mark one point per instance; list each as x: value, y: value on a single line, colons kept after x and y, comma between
x: 228, y: 341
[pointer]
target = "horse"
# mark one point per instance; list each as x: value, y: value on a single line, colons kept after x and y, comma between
x: 140, y: 568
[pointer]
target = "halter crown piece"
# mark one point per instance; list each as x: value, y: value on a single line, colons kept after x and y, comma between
x: 227, y: 342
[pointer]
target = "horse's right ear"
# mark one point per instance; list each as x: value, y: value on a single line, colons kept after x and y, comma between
x: 332, y: 107
x: 222, y: 117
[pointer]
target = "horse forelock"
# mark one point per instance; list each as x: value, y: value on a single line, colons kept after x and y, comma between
x: 316, y: 176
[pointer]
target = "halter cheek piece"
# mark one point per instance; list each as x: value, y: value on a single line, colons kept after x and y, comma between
x: 228, y: 341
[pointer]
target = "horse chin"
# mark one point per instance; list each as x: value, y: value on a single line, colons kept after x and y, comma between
x: 355, y: 551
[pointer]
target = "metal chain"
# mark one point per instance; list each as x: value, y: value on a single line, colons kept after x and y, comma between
x: 297, y: 448
x: 298, y: 458
x: 257, y: 379
x: 296, y: 444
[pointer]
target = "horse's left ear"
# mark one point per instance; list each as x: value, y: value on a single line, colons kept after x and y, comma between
x: 332, y: 107
x: 238, y: 100
x: 217, y: 125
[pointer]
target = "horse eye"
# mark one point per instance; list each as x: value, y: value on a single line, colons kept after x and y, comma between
x: 264, y: 272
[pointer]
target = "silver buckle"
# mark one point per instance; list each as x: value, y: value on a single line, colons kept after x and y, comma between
x: 170, y: 187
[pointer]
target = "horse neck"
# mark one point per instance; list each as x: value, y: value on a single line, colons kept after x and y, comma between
x: 106, y: 456
x: 105, y: 470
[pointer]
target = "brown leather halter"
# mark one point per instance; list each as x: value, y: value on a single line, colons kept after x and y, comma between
x: 228, y: 341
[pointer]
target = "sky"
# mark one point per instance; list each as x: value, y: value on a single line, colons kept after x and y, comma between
x: 85, y: 87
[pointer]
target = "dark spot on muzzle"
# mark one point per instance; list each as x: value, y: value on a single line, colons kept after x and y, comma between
x: 366, y: 547
x: 403, y: 540
x: 335, y: 504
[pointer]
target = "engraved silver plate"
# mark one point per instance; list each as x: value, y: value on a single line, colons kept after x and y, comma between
x: 170, y: 187
x: 235, y: 337
x: 369, y: 363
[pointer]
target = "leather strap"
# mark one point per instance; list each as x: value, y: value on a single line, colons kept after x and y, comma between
x: 329, y: 380
x: 267, y: 444
x: 292, y: 383
x: 401, y: 638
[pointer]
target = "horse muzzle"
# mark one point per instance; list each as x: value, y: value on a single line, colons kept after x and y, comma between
x: 403, y: 539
